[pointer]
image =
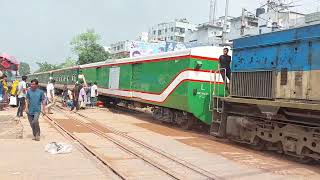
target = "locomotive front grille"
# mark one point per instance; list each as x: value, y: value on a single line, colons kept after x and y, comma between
x: 258, y: 84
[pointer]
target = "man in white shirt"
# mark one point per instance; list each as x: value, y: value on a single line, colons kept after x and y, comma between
x: 22, y: 91
x: 94, y: 94
x: 50, y: 95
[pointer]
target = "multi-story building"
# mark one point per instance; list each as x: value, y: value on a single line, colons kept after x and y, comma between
x: 278, y: 16
x: 170, y: 31
x: 120, y: 49
x: 206, y: 34
x: 310, y: 19
x: 246, y: 25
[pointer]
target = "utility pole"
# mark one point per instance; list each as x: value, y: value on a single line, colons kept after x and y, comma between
x: 212, y: 15
x: 214, y: 12
x: 224, y: 33
x: 243, y: 22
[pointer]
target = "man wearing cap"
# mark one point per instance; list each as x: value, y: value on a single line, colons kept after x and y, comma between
x: 50, y: 95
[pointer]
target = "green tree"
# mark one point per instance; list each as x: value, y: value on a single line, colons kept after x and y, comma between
x: 45, y: 66
x: 24, y: 69
x: 69, y: 62
x: 86, y: 46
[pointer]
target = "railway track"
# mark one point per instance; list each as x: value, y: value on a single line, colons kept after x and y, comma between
x: 173, y: 167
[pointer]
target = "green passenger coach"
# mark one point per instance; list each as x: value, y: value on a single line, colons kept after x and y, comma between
x: 177, y: 85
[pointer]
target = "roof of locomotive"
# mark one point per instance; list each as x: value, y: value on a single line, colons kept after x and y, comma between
x: 278, y: 37
x: 204, y: 52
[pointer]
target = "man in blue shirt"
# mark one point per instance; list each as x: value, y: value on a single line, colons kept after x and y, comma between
x: 35, y: 98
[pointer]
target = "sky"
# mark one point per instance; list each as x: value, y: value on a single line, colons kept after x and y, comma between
x: 41, y: 30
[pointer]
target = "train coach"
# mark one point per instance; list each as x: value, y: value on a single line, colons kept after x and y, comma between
x: 177, y: 85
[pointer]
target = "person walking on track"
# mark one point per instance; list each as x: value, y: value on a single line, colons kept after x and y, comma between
x: 34, y: 98
x: 50, y: 96
x: 22, y: 90
x: 75, y: 95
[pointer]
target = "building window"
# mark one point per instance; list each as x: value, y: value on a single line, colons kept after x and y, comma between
x: 171, y: 38
x: 172, y: 29
x: 154, y: 32
x: 254, y: 24
x: 180, y: 30
x: 180, y: 39
x: 166, y: 30
x: 159, y: 32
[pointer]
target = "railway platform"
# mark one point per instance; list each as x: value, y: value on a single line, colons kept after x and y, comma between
x: 22, y: 158
x: 118, y: 144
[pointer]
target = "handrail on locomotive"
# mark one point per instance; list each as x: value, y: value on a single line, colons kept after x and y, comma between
x: 214, y: 94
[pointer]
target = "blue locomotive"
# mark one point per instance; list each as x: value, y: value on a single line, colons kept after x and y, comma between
x: 274, y: 101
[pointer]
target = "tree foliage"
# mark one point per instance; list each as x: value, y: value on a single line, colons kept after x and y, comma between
x: 24, y: 69
x: 45, y: 66
x: 86, y: 46
x: 69, y: 62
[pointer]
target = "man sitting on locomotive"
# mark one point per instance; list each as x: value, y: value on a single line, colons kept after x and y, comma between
x: 224, y: 66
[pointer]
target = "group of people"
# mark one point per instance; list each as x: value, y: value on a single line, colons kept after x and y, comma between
x: 81, y: 96
x: 29, y: 99
x: 34, y: 101
x: 10, y: 91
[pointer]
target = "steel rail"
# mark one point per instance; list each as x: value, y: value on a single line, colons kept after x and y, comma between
x: 202, y: 172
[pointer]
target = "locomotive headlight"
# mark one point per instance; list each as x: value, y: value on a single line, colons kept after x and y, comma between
x: 198, y: 65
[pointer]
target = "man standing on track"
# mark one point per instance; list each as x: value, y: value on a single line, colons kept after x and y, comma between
x: 22, y: 90
x: 34, y: 98
x: 75, y: 94
x: 94, y: 94
x: 50, y: 95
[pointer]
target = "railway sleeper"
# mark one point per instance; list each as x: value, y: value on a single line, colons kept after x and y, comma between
x: 303, y: 143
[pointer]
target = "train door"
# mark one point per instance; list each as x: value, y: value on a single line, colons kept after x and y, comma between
x: 114, y: 78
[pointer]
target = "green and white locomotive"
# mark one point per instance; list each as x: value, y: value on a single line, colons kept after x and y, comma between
x: 177, y: 85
